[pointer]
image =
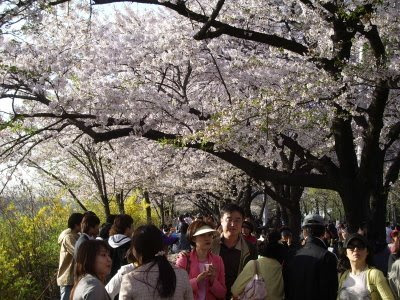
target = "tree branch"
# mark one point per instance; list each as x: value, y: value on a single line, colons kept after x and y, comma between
x: 180, y: 8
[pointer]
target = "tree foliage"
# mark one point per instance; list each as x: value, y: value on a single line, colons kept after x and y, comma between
x: 319, y: 79
x: 29, y: 251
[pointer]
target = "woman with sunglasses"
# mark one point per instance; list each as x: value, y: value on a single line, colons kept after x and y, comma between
x: 206, y: 270
x: 358, y: 279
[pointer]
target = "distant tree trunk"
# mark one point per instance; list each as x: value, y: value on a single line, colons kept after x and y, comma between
x: 162, y: 210
x: 148, y: 206
x: 120, y: 202
x: 284, y: 215
x: 260, y: 216
x: 245, y: 201
x: 106, y: 206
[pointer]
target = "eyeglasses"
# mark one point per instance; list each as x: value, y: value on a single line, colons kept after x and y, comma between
x: 358, y: 246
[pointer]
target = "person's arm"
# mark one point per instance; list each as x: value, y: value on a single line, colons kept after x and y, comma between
x: 69, y: 244
x: 182, y: 262
x: 391, y: 260
x: 114, y: 285
x: 244, y: 277
x: 218, y: 287
x: 382, y: 285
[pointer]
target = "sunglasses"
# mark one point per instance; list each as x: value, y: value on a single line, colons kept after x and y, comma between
x: 358, y: 246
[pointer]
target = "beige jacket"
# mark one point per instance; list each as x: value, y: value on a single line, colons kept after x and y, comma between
x: 66, y: 240
x: 141, y: 282
x: 247, y: 250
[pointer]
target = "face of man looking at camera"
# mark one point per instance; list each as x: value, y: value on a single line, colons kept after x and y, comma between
x: 231, y: 223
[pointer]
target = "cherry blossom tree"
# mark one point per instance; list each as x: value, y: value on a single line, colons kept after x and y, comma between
x: 318, y: 78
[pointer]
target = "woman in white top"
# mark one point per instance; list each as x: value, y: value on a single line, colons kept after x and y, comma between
x: 357, y: 279
x: 154, y: 277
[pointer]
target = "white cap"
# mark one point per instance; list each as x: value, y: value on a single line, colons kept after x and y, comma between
x: 203, y: 230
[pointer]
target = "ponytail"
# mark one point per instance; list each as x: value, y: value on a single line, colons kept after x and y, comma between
x: 166, y: 282
x: 147, y: 243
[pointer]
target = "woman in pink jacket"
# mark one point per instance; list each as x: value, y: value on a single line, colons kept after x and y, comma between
x: 206, y: 270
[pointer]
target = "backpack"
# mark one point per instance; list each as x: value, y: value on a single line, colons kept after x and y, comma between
x: 255, y: 288
x: 394, y: 279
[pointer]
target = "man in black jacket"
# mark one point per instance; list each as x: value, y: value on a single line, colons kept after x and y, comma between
x: 312, y: 273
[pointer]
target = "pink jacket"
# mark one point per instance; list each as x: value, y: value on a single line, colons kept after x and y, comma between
x: 215, y: 291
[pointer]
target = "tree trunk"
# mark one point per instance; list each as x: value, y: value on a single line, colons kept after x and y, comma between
x: 356, y: 206
x: 284, y: 215
x: 148, y: 207
x: 106, y: 206
x: 162, y: 211
x: 376, y: 226
x: 120, y: 202
x: 260, y: 216
x: 294, y: 220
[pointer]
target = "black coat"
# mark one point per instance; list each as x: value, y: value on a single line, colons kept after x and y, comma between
x: 312, y: 273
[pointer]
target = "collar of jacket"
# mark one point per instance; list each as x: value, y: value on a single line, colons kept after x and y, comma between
x: 316, y: 241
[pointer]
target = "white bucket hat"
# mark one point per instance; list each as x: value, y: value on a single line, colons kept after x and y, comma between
x: 203, y: 230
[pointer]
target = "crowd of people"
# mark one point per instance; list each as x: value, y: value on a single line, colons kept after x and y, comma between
x: 220, y: 260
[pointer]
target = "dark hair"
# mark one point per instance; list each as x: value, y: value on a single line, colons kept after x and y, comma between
x: 248, y: 225
x: 147, y: 242
x: 230, y: 208
x: 314, y: 231
x: 184, y: 228
x: 121, y: 223
x: 74, y: 219
x: 110, y: 219
x: 286, y: 232
x: 105, y: 231
x: 273, y: 237
x: 344, y: 262
x: 273, y: 250
x: 327, y: 231
x: 193, y: 228
x: 86, y: 258
x: 89, y: 221
x: 88, y: 213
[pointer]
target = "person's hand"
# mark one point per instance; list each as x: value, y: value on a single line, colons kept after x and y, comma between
x: 202, y: 276
x: 212, y: 273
